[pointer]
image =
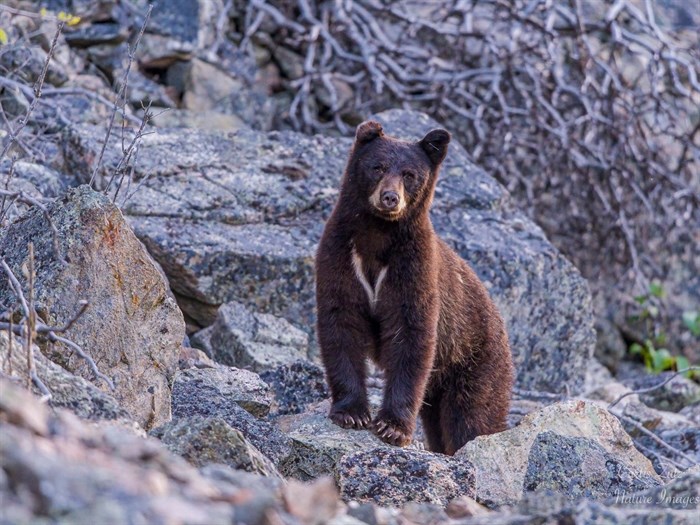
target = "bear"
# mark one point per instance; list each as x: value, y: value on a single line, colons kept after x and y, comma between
x: 390, y: 290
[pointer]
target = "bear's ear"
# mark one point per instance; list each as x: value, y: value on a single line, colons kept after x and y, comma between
x: 368, y: 131
x: 435, y: 145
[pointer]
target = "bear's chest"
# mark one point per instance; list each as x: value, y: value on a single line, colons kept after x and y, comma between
x: 370, y: 275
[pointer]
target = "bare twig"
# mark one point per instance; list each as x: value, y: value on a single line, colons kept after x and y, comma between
x: 120, y: 100
x: 38, y: 86
x: 655, y: 387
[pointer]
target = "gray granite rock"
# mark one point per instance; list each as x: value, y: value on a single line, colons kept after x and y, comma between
x: 296, y: 386
x: 204, y: 397
x: 580, y: 468
x: 205, y: 440
x: 318, y: 444
x: 395, y: 476
x: 501, y: 460
x: 255, y: 341
x: 132, y: 326
x: 237, y: 217
x: 225, y: 384
x: 67, y: 390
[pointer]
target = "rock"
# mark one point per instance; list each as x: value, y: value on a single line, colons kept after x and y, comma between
x: 204, y: 120
x: 223, y: 385
x: 48, y: 183
x: 692, y: 412
x: 425, y: 514
x: 194, y: 358
x: 96, y: 34
x: 395, y: 476
x: 501, y: 460
x: 205, y: 440
x: 597, y: 376
x: 87, y: 10
x: 205, y: 87
x: 296, y: 386
x: 55, y: 468
x: 27, y: 63
x: 312, y: 503
x: 610, y: 348
x: 676, y: 394
x: 132, y: 327
x: 255, y: 341
x: 177, y: 30
x: 676, y: 430
x: 579, y: 468
x: 202, y: 340
x: 318, y: 444
x: 208, y: 398
x: 238, y: 217
x: 67, y: 390
x: 465, y: 507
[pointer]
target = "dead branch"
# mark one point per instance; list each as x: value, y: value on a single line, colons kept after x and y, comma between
x: 655, y: 387
x: 120, y: 100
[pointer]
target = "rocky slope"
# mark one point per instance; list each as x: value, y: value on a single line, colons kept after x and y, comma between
x: 213, y: 249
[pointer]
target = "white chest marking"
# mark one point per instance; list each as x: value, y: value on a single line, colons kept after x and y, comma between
x: 372, y: 293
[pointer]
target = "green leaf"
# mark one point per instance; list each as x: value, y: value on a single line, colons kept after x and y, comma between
x: 3, y: 36
x: 641, y: 299
x: 682, y: 363
x: 636, y: 349
x: 656, y: 289
x: 692, y: 322
x: 653, y: 311
x: 662, y: 360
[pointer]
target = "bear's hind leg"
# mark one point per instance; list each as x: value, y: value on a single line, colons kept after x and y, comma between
x: 471, y: 407
x: 430, y: 416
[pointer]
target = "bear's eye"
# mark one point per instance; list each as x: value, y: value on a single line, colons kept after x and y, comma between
x: 408, y: 174
x: 379, y: 168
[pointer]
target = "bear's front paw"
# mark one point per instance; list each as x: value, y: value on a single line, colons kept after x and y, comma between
x: 392, y: 432
x: 350, y: 417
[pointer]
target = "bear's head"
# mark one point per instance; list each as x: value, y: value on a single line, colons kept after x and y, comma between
x: 391, y: 177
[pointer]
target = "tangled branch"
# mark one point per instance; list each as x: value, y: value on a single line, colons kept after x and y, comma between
x: 593, y: 106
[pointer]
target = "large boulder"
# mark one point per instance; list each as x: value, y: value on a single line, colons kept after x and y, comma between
x: 237, y: 217
x: 505, y: 462
x: 132, y: 327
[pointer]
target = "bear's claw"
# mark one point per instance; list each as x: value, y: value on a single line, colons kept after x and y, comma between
x: 391, y: 433
x: 345, y: 419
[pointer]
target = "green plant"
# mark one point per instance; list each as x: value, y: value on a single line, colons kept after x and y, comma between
x: 657, y: 358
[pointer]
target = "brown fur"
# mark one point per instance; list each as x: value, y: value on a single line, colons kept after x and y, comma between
x: 432, y: 326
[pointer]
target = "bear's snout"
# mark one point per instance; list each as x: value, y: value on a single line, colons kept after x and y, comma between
x: 390, y: 199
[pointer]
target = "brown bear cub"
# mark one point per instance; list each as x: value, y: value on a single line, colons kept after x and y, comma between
x: 389, y: 289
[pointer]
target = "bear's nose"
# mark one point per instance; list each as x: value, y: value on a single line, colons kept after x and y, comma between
x: 390, y: 199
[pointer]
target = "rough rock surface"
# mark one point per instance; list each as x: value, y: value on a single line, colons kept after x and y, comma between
x: 579, y: 468
x: 224, y: 385
x: 205, y: 440
x: 237, y: 218
x: 676, y: 394
x: 67, y: 390
x: 255, y: 341
x: 296, y: 386
x: 193, y: 398
x: 132, y: 327
x: 318, y: 444
x: 501, y: 460
x: 390, y: 476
